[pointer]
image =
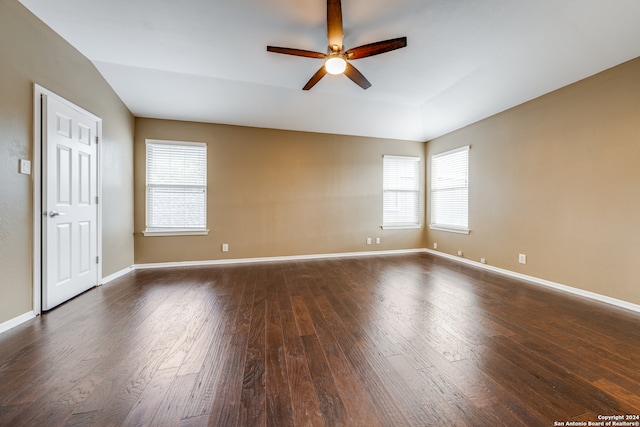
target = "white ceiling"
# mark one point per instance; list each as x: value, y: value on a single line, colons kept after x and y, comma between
x: 206, y: 60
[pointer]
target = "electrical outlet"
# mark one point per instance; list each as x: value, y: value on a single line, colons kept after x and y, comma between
x: 522, y: 258
x: 459, y: 253
x: 368, y: 240
x: 483, y: 261
x: 225, y: 247
x: 377, y: 240
x: 435, y: 246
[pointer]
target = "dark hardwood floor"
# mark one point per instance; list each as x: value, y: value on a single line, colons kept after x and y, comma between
x: 406, y: 340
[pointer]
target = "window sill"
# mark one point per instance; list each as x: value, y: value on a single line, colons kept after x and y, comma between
x: 450, y: 229
x: 401, y: 226
x: 153, y: 233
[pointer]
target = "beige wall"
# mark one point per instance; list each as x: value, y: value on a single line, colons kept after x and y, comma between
x: 31, y: 53
x: 277, y: 193
x: 558, y: 179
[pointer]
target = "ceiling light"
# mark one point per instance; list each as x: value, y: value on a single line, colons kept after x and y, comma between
x: 335, y: 64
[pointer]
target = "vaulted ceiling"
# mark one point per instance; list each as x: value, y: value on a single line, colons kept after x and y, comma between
x: 206, y: 60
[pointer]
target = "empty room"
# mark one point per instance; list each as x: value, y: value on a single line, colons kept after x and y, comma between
x: 319, y: 213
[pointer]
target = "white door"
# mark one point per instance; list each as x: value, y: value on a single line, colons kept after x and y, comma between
x: 69, y: 201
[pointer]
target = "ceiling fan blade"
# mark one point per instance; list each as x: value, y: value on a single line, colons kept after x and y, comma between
x: 296, y: 52
x: 334, y: 23
x: 357, y: 77
x: 376, y: 48
x: 316, y: 78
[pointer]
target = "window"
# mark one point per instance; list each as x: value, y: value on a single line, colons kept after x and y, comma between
x: 401, y: 188
x: 450, y: 191
x: 176, y: 188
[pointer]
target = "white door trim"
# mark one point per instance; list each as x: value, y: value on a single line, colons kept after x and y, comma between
x: 37, y: 177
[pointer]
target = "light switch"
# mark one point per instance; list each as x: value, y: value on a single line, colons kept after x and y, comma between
x: 25, y: 166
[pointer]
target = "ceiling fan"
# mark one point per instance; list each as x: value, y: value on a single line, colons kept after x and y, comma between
x: 337, y: 58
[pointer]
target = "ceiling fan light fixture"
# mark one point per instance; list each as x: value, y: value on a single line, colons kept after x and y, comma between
x: 337, y: 60
x: 335, y: 64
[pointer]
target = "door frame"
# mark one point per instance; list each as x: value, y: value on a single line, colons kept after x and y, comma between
x: 38, y: 185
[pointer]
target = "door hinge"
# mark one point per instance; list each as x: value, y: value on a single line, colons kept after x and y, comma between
x: 97, y: 139
x: 97, y: 260
x: 96, y: 200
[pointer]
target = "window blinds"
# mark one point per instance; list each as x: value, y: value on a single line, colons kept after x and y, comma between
x: 176, y: 185
x: 401, y: 190
x: 450, y: 189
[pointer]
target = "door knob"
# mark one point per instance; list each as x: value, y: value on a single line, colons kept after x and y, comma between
x: 53, y: 214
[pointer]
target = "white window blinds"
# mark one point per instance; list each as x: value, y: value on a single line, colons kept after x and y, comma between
x: 450, y: 190
x: 176, y: 186
x: 401, y: 192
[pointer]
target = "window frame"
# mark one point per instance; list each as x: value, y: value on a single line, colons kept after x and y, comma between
x: 174, y: 231
x: 449, y: 227
x: 417, y: 191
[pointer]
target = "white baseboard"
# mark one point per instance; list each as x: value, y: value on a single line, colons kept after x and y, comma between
x: 565, y: 288
x: 274, y: 259
x: 12, y: 323
x: 531, y: 279
x: 117, y: 274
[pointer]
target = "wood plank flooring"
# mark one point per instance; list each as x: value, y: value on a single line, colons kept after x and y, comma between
x: 401, y: 340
